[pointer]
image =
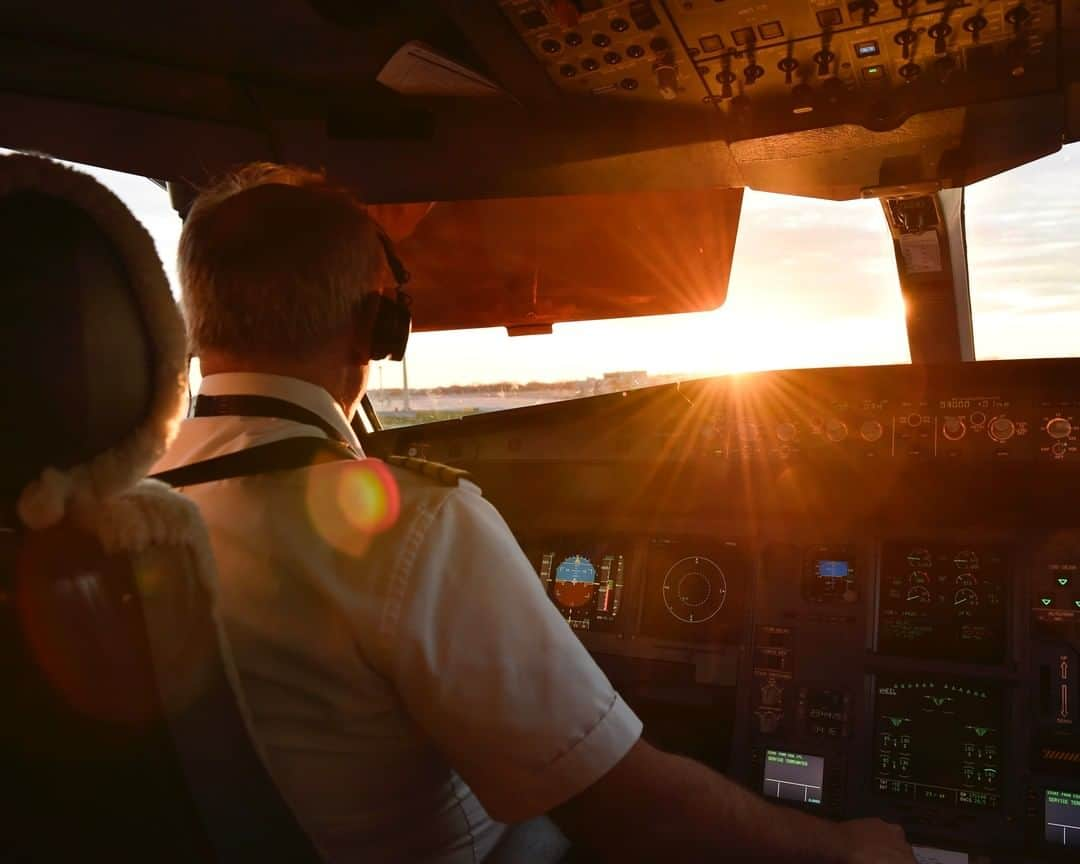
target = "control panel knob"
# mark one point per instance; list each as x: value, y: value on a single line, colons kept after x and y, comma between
x: 771, y: 695
x: 786, y: 432
x: 1002, y: 429
x: 954, y: 428
x: 836, y: 430
x: 1059, y: 427
x: 871, y: 430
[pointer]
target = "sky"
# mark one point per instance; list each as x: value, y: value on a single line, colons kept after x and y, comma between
x: 813, y: 283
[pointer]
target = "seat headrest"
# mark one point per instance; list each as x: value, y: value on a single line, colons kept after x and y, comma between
x: 92, y: 343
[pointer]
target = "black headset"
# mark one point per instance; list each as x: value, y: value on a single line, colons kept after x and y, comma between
x: 391, y: 316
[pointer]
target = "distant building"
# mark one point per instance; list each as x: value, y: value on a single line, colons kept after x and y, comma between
x: 614, y: 381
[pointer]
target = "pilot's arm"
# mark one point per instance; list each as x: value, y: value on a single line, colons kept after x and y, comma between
x: 498, y: 681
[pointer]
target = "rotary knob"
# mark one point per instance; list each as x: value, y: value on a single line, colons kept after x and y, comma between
x: 1002, y: 429
x: 786, y: 432
x: 953, y: 428
x: 871, y: 430
x: 1059, y: 428
x: 836, y: 430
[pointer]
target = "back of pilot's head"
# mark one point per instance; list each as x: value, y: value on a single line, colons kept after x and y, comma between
x: 274, y: 261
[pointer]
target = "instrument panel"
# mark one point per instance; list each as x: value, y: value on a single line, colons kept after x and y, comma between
x: 856, y: 592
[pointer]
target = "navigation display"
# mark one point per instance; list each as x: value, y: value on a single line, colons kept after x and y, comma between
x: 943, y: 602
x: 938, y: 742
x: 694, y: 590
x: 1063, y: 818
x: 584, y: 579
x: 793, y: 777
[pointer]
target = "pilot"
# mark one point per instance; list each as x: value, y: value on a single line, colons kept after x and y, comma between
x: 411, y: 687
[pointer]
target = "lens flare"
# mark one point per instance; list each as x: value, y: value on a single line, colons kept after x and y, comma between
x: 349, y: 506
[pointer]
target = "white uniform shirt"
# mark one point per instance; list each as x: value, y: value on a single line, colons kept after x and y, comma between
x: 386, y: 652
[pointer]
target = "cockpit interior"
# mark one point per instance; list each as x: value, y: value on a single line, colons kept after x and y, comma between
x: 854, y: 590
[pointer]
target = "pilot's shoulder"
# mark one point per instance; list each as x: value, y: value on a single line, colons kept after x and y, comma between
x: 434, y: 472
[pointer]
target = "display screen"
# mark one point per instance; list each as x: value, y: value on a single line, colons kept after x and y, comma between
x: 793, y: 777
x: 584, y: 580
x: 831, y: 569
x: 944, y: 602
x: 828, y: 573
x: 1063, y: 818
x: 938, y: 742
x: 866, y: 49
x: 694, y: 590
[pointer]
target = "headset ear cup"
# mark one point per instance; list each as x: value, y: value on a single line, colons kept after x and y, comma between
x: 391, y: 325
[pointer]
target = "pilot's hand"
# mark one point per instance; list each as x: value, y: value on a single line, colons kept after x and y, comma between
x: 872, y: 841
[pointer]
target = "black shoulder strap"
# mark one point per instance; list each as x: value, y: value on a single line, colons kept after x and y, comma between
x: 288, y: 454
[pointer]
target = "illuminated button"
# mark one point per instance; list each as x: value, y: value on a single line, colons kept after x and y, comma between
x: 836, y: 430
x: 551, y: 46
x: 573, y: 39
x: 743, y: 36
x: 871, y: 430
x: 827, y: 18
x: 786, y: 432
x: 874, y: 73
x: 870, y: 48
x: 601, y: 40
x: 1059, y: 427
x: 711, y: 43
x: 1047, y: 601
x: 771, y: 30
x: 1076, y: 602
x: 953, y: 428
x: 1002, y: 429
x: 1063, y: 581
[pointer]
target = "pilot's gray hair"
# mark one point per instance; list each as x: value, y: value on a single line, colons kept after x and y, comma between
x: 273, y: 259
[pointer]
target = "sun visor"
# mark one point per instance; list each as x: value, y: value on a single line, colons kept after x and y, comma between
x: 528, y: 263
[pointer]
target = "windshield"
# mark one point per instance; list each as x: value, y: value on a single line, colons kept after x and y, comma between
x: 1023, y: 230
x: 813, y: 283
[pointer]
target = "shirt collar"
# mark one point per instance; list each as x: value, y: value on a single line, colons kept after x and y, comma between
x: 302, y: 393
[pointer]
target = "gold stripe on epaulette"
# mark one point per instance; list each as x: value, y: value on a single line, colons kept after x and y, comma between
x: 443, y: 474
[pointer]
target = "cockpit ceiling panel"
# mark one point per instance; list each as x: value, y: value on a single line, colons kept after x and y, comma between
x: 597, y: 95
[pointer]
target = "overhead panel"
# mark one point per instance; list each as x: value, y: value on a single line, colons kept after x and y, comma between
x: 617, y: 50
x: 873, y: 62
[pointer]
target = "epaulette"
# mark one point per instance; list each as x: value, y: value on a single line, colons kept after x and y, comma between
x: 443, y: 474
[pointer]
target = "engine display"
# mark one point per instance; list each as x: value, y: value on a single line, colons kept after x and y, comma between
x: 693, y: 590
x: 938, y: 742
x: 793, y: 777
x: 1062, y: 818
x: 585, y: 582
x: 943, y: 602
